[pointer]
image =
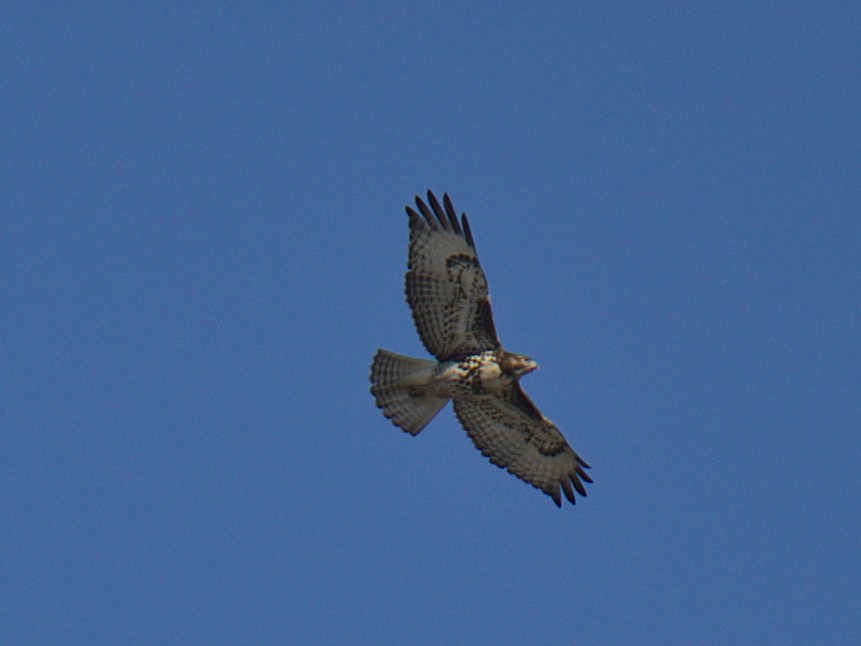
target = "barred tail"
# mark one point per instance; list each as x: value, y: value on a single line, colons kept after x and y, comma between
x: 396, y: 382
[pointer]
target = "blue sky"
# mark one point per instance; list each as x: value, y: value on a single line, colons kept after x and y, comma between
x: 202, y: 244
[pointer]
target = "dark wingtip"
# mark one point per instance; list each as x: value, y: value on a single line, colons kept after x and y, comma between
x: 569, y: 494
x: 467, y: 233
x: 444, y: 216
x: 411, y: 212
x: 431, y: 198
x: 452, y: 215
x: 425, y: 211
x: 437, y: 209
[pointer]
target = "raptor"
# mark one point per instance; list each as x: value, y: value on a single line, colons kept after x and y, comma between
x: 447, y: 292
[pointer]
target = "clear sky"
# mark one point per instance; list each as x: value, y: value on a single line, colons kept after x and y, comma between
x: 202, y: 244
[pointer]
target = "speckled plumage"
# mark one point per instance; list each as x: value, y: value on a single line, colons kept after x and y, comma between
x: 448, y: 295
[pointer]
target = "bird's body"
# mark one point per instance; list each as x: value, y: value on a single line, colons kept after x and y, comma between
x: 447, y: 293
x: 487, y: 373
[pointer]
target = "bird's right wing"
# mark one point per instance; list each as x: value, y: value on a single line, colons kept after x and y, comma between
x: 445, y: 286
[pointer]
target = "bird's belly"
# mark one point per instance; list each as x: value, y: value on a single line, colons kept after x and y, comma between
x: 472, y: 376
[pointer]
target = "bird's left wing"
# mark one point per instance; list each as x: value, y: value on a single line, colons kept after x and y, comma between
x: 512, y: 432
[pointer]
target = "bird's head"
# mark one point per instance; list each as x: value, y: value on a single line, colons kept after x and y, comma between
x: 516, y: 365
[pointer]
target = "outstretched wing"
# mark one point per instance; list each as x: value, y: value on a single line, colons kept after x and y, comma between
x: 513, y: 433
x: 445, y: 287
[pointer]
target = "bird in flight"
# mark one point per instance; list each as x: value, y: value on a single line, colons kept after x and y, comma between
x: 447, y: 293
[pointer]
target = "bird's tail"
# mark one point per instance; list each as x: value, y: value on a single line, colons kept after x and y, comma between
x: 396, y: 383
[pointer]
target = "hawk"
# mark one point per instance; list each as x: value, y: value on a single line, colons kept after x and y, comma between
x: 447, y: 293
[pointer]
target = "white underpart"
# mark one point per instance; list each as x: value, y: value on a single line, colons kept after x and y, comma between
x: 490, y: 374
